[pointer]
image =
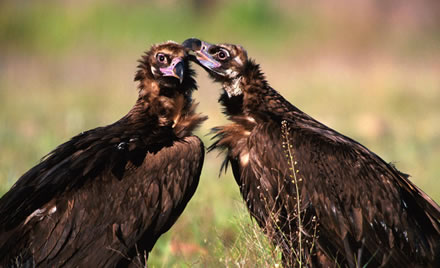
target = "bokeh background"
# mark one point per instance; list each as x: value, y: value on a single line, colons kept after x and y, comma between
x: 369, y: 69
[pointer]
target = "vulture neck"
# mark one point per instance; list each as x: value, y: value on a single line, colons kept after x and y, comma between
x: 249, y: 85
x: 159, y: 106
x: 233, y: 87
x: 257, y: 99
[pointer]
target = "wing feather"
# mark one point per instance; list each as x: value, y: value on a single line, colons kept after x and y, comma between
x: 354, y: 194
x: 138, y: 206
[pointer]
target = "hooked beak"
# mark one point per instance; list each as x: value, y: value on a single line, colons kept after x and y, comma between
x: 201, y: 50
x: 176, y: 69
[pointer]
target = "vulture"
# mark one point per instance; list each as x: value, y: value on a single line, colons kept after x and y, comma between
x: 322, y: 198
x: 103, y: 198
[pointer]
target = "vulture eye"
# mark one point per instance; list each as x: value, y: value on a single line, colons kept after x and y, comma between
x: 161, y: 58
x: 222, y: 54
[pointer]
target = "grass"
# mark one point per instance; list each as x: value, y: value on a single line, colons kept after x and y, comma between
x: 65, y: 69
x: 298, y: 250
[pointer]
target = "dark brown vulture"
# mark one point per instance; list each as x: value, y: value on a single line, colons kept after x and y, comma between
x: 322, y: 197
x: 103, y: 198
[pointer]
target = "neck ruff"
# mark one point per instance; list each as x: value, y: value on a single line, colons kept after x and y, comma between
x: 233, y: 88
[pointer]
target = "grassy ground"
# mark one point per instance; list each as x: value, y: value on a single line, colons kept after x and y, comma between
x: 67, y: 67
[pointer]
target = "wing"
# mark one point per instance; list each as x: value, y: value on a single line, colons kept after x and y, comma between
x: 374, y: 210
x: 78, y: 180
x: 173, y: 176
x: 122, y: 219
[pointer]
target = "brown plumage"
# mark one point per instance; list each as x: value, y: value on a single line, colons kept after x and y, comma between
x: 354, y: 208
x: 103, y: 198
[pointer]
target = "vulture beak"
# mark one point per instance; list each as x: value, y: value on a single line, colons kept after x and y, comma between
x: 201, y: 50
x: 176, y: 69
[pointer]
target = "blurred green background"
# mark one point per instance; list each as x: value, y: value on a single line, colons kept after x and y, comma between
x: 369, y: 69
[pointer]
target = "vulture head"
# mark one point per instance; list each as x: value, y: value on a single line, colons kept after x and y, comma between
x: 226, y: 63
x: 165, y: 65
x: 166, y: 83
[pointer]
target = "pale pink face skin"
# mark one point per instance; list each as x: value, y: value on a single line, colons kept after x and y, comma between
x: 204, y: 58
x: 174, y: 69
